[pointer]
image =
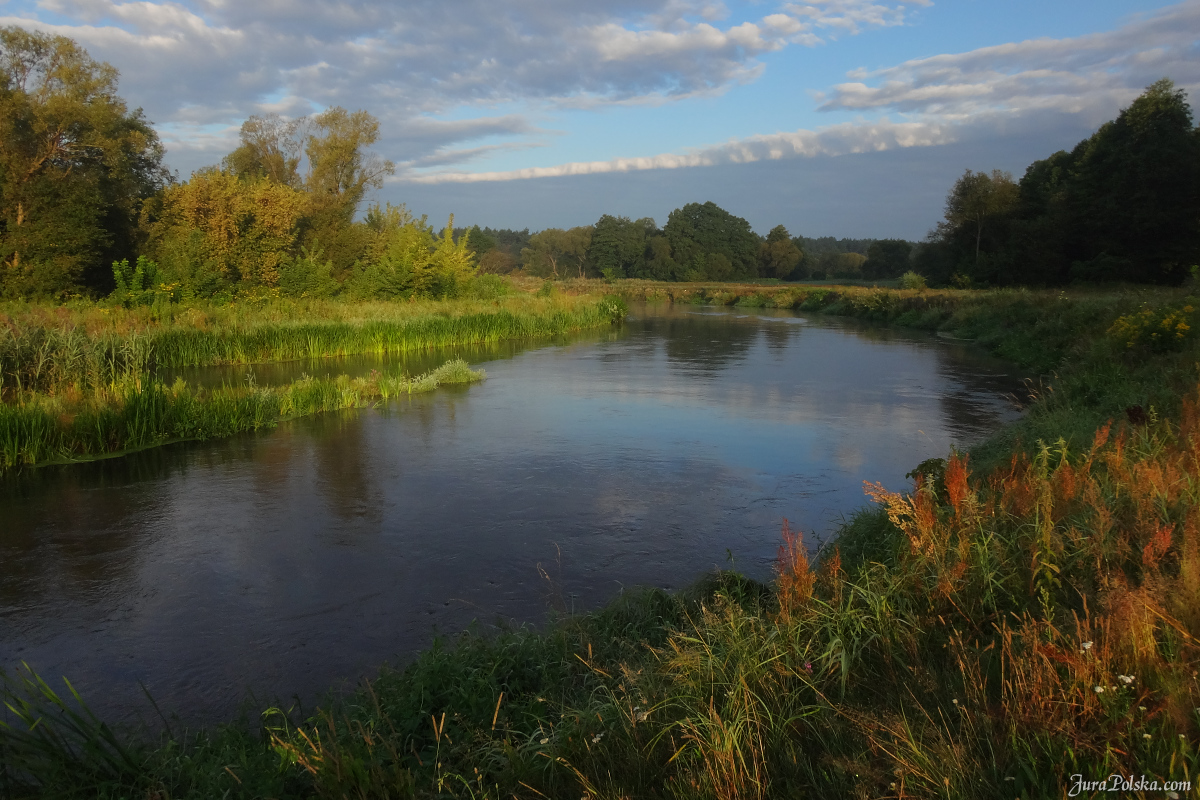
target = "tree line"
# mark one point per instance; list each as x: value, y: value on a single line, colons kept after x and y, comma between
x: 1123, y: 205
x: 700, y: 242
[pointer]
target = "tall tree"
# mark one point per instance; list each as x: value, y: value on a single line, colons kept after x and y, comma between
x: 341, y: 169
x: 979, y: 198
x: 779, y: 256
x: 886, y: 258
x: 699, y: 231
x: 554, y: 251
x: 1134, y: 195
x: 271, y: 148
x: 618, y: 246
x: 75, y: 166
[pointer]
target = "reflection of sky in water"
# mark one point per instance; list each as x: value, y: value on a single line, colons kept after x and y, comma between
x: 284, y: 560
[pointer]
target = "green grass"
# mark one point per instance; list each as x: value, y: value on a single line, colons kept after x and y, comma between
x: 88, y: 348
x: 136, y: 414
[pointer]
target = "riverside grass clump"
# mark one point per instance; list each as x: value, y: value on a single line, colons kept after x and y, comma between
x: 134, y: 413
x: 980, y: 636
x: 81, y: 381
x: 83, y: 348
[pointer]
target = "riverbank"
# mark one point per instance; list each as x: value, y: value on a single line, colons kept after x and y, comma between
x: 990, y: 634
x: 83, y: 381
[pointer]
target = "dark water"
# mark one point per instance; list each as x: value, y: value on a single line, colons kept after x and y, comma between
x: 285, y: 562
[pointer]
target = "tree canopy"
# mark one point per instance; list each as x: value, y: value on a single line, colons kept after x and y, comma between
x: 1123, y: 205
x: 75, y: 167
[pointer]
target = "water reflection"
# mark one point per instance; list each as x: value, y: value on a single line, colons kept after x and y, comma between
x: 283, y: 561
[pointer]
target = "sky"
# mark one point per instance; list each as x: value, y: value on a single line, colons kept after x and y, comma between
x: 847, y: 118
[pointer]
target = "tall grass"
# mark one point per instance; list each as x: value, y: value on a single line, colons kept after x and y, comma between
x: 86, y: 349
x: 135, y: 413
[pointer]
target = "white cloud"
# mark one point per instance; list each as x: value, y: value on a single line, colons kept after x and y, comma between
x: 842, y: 139
x: 214, y: 62
x: 1090, y: 74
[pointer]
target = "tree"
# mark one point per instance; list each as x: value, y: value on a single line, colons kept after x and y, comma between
x: 554, y: 249
x: 340, y: 171
x: 215, y: 223
x: 405, y: 258
x: 779, y: 256
x: 271, y: 148
x: 699, y: 230
x: 618, y: 247
x: 340, y: 167
x: 886, y: 258
x: 544, y: 252
x: 75, y: 167
x: 978, y: 198
x: 1133, y: 196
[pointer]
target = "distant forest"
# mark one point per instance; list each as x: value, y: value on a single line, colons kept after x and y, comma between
x: 87, y: 208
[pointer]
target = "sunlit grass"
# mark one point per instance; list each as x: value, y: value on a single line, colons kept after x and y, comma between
x: 134, y: 413
x: 86, y: 348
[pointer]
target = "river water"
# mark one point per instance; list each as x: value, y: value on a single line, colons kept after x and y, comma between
x: 292, y: 561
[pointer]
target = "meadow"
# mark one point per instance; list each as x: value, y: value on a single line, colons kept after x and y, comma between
x: 1021, y: 614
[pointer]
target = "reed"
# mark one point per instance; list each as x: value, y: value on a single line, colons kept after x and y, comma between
x: 85, y: 349
x: 134, y: 414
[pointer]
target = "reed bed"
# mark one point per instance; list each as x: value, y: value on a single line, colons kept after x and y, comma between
x: 87, y: 349
x: 134, y: 414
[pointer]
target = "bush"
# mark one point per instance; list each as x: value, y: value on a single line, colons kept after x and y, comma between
x: 310, y: 275
x: 1161, y: 330
x: 911, y: 280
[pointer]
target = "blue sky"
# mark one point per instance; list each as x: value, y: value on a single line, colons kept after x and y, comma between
x: 833, y: 117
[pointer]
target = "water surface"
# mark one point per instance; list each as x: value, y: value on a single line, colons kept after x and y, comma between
x: 287, y: 561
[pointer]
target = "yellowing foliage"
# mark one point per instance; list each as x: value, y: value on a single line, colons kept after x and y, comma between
x: 248, y: 227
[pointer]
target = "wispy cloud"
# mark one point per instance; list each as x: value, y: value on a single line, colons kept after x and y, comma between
x: 1082, y: 74
x: 834, y: 140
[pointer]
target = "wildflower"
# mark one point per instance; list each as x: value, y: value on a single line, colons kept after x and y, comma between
x: 546, y: 740
x: 1141, y: 708
x: 639, y: 715
x: 955, y: 701
x: 1099, y: 690
x: 596, y: 739
x: 1085, y: 646
x: 1146, y: 736
x: 808, y: 667
x: 1125, y: 679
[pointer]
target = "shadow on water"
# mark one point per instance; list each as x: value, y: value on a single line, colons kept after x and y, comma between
x: 284, y: 561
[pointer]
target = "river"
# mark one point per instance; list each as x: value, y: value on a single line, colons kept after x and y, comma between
x: 287, y: 562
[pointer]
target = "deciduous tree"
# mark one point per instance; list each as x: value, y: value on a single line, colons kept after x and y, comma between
x: 75, y: 166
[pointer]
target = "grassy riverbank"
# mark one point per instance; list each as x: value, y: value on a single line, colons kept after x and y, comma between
x: 133, y: 415
x: 82, y: 381
x: 1019, y: 616
x: 82, y: 348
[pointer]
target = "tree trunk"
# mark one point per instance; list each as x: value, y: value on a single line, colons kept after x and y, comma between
x: 978, y: 237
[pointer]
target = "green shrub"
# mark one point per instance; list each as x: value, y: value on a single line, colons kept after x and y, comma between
x: 911, y: 280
